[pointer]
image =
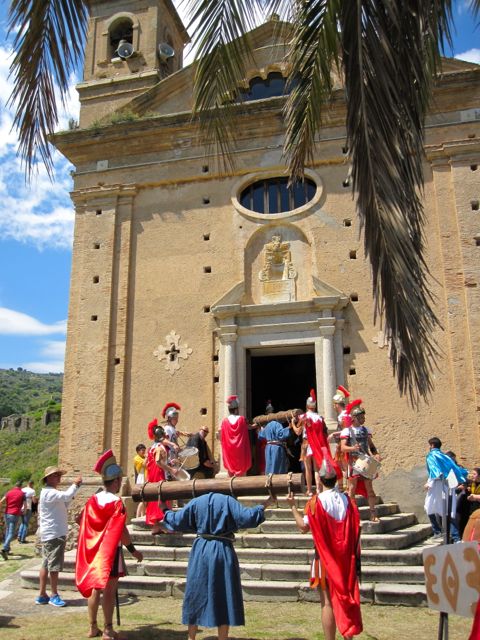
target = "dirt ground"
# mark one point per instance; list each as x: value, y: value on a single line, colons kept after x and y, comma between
x: 159, y: 618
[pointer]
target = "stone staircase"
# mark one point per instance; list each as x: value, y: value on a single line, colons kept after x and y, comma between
x: 275, y: 558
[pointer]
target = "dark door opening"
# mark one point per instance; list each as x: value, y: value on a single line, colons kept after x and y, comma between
x: 285, y: 380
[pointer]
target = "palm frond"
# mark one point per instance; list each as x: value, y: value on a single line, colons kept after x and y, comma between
x: 222, y: 49
x: 48, y: 46
x: 313, y: 53
x: 390, y: 51
x: 475, y: 7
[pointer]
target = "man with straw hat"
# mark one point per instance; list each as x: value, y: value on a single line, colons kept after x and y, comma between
x: 53, y: 524
x: 100, y: 560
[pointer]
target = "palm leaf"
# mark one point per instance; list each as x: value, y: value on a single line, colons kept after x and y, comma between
x: 313, y: 53
x: 390, y: 53
x: 222, y: 50
x: 223, y: 53
x: 49, y: 44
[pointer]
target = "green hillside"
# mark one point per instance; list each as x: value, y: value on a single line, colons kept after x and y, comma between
x: 22, y: 391
x: 25, y: 454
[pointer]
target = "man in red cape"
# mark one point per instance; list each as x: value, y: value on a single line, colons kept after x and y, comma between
x: 100, y: 560
x: 356, y: 438
x: 316, y: 433
x: 334, y: 521
x: 157, y: 468
x: 235, y: 440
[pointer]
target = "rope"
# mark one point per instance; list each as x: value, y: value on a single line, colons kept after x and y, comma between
x: 160, y: 497
x: 290, y: 482
x: 268, y: 485
x: 194, y: 495
x: 232, y: 493
x: 142, y: 491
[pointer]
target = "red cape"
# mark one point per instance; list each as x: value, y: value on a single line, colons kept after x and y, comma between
x: 153, y: 512
x: 337, y: 544
x: 317, y: 438
x: 236, y: 454
x: 98, y: 539
x: 475, y: 632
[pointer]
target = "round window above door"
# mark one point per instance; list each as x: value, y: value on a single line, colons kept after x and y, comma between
x: 270, y: 196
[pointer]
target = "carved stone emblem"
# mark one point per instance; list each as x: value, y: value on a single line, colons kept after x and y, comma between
x: 172, y: 352
x: 278, y: 273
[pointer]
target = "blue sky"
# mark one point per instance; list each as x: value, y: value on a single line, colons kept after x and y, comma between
x: 36, y: 226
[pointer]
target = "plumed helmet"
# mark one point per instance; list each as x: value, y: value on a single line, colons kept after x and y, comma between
x: 170, y: 410
x: 107, y: 466
x: 232, y: 402
x: 341, y: 395
x: 151, y: 428
x: 358, y: 411
x: 155, y: 431
x: 327, y: 469
x: 312, y: 399
x: 347, y: 419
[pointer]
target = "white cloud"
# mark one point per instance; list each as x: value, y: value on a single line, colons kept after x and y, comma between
x: 54, y: 353
x: 41, y: 212
x: 54, y: 349
x: 17, y: 323
x: 44, y: 367
x: 472, y: 55
x: 463, y: 6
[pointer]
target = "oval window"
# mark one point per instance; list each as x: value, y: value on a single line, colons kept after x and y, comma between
x: 273, y: 195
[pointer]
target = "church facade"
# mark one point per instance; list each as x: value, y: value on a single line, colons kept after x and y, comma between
x: 190, y: 284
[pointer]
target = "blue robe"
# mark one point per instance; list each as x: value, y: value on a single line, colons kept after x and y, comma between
x: 276, y: 460
x: 439, y: 465
x: 213, y: 595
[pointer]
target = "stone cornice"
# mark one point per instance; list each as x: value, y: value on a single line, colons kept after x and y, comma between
x: 164, y: 133
x: 83, y: 196
x: 462, y: 151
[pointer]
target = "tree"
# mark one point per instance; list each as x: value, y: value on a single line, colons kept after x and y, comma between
x: 388, y: 53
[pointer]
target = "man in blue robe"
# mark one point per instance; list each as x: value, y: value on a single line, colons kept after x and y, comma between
x: 439, y: 465
x: 276, y: 435
x: 213, y: 594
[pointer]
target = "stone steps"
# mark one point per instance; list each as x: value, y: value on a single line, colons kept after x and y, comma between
x: 257, y: 590
x: 284, y: 514
x: 265, y: 571
x: 399, y: 539
x: 401, y: 557
x: 275, y: 558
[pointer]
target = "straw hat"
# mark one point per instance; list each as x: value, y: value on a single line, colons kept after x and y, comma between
x: 49, y: 471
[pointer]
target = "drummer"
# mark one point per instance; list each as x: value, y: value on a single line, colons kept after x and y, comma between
x: 170, y: 413
x: 357, y: 438
x: 205, y: 457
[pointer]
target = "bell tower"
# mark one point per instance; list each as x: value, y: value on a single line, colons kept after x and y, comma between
x: 131, y: 45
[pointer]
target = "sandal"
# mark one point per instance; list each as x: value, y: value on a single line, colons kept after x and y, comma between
x: 374, y: 519
x: 110, y: 634
x: 157, y: 529
x: 94, y: 631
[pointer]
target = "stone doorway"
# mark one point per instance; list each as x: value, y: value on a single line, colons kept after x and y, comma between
x: 284, y: 377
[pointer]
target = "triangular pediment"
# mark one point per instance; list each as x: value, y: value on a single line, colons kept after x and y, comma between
x: 233, y: 298
x: 269, y: 43
x: 450, y: 65
x: 324, y: 290
x: 173, y: 94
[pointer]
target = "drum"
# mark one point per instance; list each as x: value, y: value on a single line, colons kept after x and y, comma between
x: 366, y: 466
x: 189, y: 458
x: 182, y: 475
